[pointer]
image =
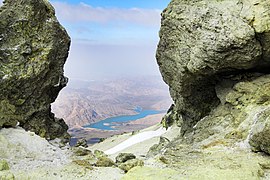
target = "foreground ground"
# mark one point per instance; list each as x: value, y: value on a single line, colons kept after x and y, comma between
x: 32, y: 157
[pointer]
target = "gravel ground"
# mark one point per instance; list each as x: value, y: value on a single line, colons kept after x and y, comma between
x: 32, y: 157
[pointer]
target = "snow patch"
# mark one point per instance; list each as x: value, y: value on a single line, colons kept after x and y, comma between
x: 136, y: 139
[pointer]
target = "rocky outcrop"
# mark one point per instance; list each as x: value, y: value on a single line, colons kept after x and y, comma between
x: 33, y: 50
x: 214, y: 55
x: 201, y: 42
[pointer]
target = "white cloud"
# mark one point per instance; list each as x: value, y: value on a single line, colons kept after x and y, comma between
x: 85, y: 13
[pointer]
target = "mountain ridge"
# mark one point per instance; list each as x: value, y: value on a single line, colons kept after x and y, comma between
x: 98, y: 100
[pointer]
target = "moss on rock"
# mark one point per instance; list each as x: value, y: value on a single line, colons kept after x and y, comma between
x: 104, y: 162
x: 128, y: 165
x: 6, y: 175
x: 4, y: 165
x: 203, y: 41
x: 33, y: 50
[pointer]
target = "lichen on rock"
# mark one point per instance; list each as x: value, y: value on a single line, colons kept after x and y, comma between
x: 33, y: 50
x: 128, y: 165
x: 214, y: 55
x: 104, y: 162
x: 202, y: 41
x: 4, y: 165
x: 123, y: 157
x: 260, y: 133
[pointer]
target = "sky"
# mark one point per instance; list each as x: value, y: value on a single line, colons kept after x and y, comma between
x: 110, y: 38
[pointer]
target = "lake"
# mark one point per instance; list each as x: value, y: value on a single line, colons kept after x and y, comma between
x: 109, y: 122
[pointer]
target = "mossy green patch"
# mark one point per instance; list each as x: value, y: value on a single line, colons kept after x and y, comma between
x: 4, y: 165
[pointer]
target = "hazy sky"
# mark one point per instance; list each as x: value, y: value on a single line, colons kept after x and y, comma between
x: 111, y: 37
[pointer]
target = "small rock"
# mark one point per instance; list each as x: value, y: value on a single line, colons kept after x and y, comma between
x: 135, y: 132
x: 123, y: 157
x: 82, y: 142
x: 260, y: 132
x: 169, y: 119
x: 104, y: 162
x: 164, y: 160
x: 99, y: 153
x: 4, y: 165
x: 84, y: 163
x: 79, y: 151
x: 131, y: 164
x: 156, y: 148
x: 101, y: 140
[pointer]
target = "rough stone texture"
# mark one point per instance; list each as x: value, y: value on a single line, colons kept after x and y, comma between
x: 157, y: 148
x: 170, y: 118
x: 99, y: 153
x: 219, y: 145
x: 80, y: 151
x: 33, y: 50
x: 4, y: 165
x: 123, y: 157
x: 128, y: 165
x: 104, y: 162
x: 260, y: 133
x: 214, y: 55
x: 6, y: 175
x: 202, y: 41
x: 241, y: 117
x: 82, y: 142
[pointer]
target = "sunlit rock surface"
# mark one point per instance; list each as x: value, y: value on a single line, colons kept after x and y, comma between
x: 33, y: 50
x: 203, y: 41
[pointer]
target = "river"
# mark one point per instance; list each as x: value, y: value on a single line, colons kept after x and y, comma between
x: 107, y: 124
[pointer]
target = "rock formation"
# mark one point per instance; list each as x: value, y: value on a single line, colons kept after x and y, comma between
x: 201, y: 42
x: 215, y: 57
x: 33, y: 50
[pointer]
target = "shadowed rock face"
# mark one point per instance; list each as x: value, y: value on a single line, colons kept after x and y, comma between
x: 203, y: 41
x: 33, y: 50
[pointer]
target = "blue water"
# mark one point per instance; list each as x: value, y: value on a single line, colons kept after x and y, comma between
x: 109, y: 122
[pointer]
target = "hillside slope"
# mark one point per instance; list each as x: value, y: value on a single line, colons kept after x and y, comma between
x: 85, y: 102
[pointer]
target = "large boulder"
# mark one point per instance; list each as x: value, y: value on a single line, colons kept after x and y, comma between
x: 33, y: 50
x: 203, y: 41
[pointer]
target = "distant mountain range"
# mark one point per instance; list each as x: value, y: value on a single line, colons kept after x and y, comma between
x: 85, y: 102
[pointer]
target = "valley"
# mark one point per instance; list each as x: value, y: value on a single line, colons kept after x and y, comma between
x: 83, y: 103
